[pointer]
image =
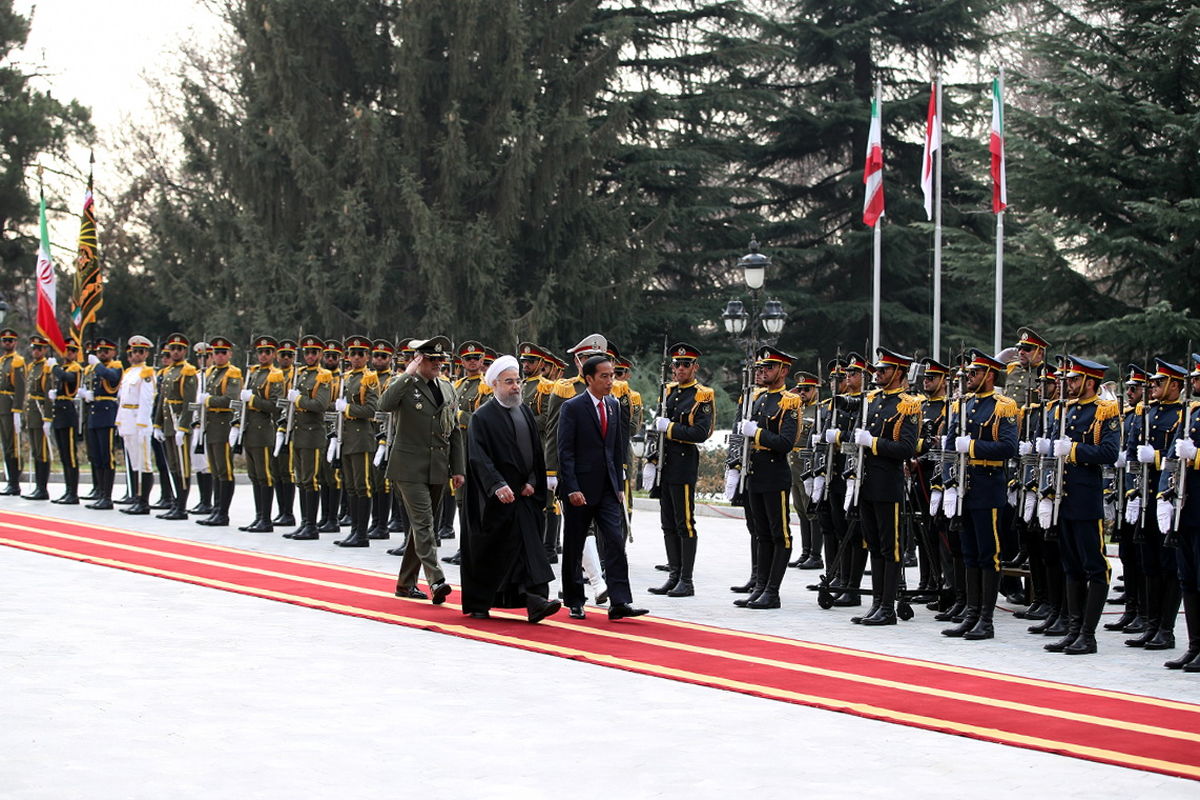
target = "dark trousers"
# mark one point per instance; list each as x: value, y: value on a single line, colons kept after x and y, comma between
x: 1189, y: 559
x: 1081, y: 545
x: 980, y: 538
x: 677, y: 510
x: 65, y: 439
x: 100, y: 447
x: 772, y: 527
x: 881, y: 529
x: 607, y: 513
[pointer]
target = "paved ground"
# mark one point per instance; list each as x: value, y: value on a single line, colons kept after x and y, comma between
x: 116, y: 685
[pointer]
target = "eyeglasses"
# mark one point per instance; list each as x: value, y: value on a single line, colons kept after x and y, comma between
x: 471, y: 358
x: 1026, y: 348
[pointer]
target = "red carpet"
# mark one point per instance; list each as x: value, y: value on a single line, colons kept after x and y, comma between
x: 1112, y: 727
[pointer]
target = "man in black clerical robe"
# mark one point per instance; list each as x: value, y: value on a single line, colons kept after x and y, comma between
x: 504, y: 563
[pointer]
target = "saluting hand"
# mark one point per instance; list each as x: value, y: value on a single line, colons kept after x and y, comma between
x: 411, y: 369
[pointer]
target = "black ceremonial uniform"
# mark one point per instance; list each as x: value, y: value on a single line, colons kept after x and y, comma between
x: 939, y: 559
x: 66, y: 425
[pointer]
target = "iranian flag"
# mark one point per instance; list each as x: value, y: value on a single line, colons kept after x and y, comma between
x: 47, y: 286
x: 873, y: 172
x: 933, y: 142
x: 996, y: 146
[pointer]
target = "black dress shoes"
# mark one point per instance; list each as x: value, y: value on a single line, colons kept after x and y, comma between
x: 541, y: 609
x: 624, y: 610
x: 396, y: 551
x: 411, y: 593
x: 440, y: 590
x: 577, y: 612
x: 479, y: 615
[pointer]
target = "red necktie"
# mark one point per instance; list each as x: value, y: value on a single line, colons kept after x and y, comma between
x: 603, y: 421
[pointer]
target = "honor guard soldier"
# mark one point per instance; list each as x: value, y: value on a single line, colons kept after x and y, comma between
x: 630, y: 403
x: 135, y: 422
x: 887, y: 440
x: 848, y: 544
x: 1092, y: 439
x: 426, y: 454
x: 399, y: 523
x: 686, y: 422
x: 39, y: 413
x: 356, y: 406
x: 12, y: 406
x: 101, y: 381
x: 1023, y: 374
x: 312, y: 396
x: 204, y: 476
x: 1163, y: 420
x: 773, y: 428
x: 174, y: 423
x: 285, y: 490
x: 989, y: 441
x: 67, y: 379
x: 331, y: 484
x: 1045, y: 555
x: 1186, y: 524
x: 223, y: 387
x: 808, y: 389
x: 382, y: 353
x: 1129, y: 550
x: 262, y: 393
x: 536, y: 391
x: 469, y: 389
x: 940, y: 558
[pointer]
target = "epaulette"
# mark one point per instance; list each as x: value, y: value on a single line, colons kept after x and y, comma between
x: 909, y: 404
x: 370, y: 378
x: 620, y: 389
x: 485, y: 388
x: 18, y: 361
x: 635, y: 397
x: 1005, y: 406
x: 872, y: 394
x: 1008, y: 369
x: 1106, y: 409
x: 147, y: 372
x: 1141, y: 408
x: 672, y: 384
x: 324, y: 375
x: 188, y: 370
x: 1195, y: 404
x: 274, y: 375
x: 234, y: 371
x: 545, y: 386
x: 116, y: 364
x: 72, y: 366
x: 565, y: 388
x: 756, y: 391
x: 704, y: 394
x: 789, y: 402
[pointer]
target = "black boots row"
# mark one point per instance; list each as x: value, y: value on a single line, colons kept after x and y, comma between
x: 681, y: 562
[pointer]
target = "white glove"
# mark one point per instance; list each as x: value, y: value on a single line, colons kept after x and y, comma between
x: 863, y: 437
x: 52, y: 395
x: 1030, y: 506
x: 962, y: 444
x: 1062, y: 447
x: 732, y: 478
x: 551, y: 483
x: 1121, y: 461
x: 46, y: 429
x: 935, y: 502
x: 831, y: 436
x: 93, y: 360
x: 234, y: 433
x: 332, y: 453
x: 1045, y: 512
x: 648, y: 473
x: 202, y: 398
x: 1133, y: 509
x: 179, y: 438
x: 293, y: 395
x: 16, y: 423
x: 818, y: 489
x: 816, y: 440
x: 159, y: 435
x: 1024, y: 448
x: 950, y: 502
x: 661, y: 424
x: 1012, y: 497
x: 1145, y: 454
x: 748, y: 427
x: 849, y: 498
x: 380, y: 452
x: 340, y: 405
x: 245, y: 394
x: 52, y: 362
x: 807, y: 483
x: 88, y: 395
x: 1165, y: 513
x: 279, y: 436
x: 1186, y: 450
x: 1042, y: 445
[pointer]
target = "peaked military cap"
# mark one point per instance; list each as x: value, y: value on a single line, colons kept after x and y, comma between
x: 1137, y: 375
x: 1049, y: 372
x: 136, y: 340
x: 806, y: 380
x: 406, y: 346
x: 104, y: 341
x: 528, y: 351
x: 217, y: 343
x: 854, y: 361
x: 592, y: 345
x: 773, y: 355
x: 1165, y: 369
x: 682, y: 351
x: 489, y: 355
x: 287, y: 346
x: 471, y: 349
x: 8, y: 333
x: 981, y: 360
x: 1081, y: 366
x: 836, y: 366
x: 333, y: 346
x: 1030, y: 337
x: 310, y: 342
x: 1195, y: 373
x: 357, y: 343
x: 265, y: 343
x: 383, y: 346
x: 37, y: 340
x: 934, y: 367
x: 890, y: 358
x: 437, y: 347
x: 174, y: 340
x: 624, y: 363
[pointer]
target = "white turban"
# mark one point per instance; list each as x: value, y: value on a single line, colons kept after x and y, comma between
x: 500, y: 366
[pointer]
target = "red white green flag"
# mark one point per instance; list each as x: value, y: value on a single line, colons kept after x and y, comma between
x: 996, y: 146
x: 47, y: 286
x: 873, y: 172
x: 933, y: 142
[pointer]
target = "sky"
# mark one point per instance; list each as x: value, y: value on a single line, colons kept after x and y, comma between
x: 100, y: 54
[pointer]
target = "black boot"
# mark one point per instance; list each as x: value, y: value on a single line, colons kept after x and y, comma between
x: 885, y: 614
x: 959, y: 607
x: 381, y: 504
x: 41, y: 477
x: 671, y: 542
x: 765, y: 550
x: 1191, y: 619
x: 1154, y: 597
x: 1164, y: 638
x: 141, y: 490
x: 876, y: 590
x: 285, y: 495
x: 166, y: 497
x: 94, y: 492
x: 974, y: 581
x: 360, y: 511
x: 178, y: 510
x: 264, y: 496
x: 309, y: 500
x: 222, y: 497
x: 258, y: 517
x: 70, y: 497
x: 769, y: 598
x: 687, y: 563
x: 1074, y: 595
x: 1093, y: 606
x: 103, y: 501
x: 329, y: 499
x: 204, y: 482
x: 749, y: 586
x: 989, y: 587
x: 344, y: 516
x: 397, y: 524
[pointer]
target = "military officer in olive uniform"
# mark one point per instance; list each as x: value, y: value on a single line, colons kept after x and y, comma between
x: 357, y: 404
x: 471, y: 392
x: 12, y: 407
x: 427, y: 452
x: 686, y: 422
x: 223, y: 385
x: 536, y: 391
x: 263, y: 392
x: 382, y: 354
x: 285, y: 490
x: 101, y: 382
x: 312, y: 395
x: 67, y: 378
x: 39, y: 413
x: 773, y: 428
x: 330, y: 477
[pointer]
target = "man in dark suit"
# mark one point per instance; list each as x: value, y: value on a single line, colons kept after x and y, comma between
x: 590, y: 450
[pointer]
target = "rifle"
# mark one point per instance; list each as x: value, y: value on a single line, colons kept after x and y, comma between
x: 960, y: 459
x: 1172, y: 538
x: 858, y: 461
x: 1144, y: 471
x: 202, y: 352
x: 290, y: 415
x: 831, y: 447
x: 1060, y: 462
x: 661, y: 436
x: 746, y: 410
x: 241, y: 422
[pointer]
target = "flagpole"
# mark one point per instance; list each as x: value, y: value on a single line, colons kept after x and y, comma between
x: 998, y: 331
x: 877, y: 272
x: 937, y: 227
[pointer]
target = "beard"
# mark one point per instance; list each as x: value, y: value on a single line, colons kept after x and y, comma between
x: 508, y: 401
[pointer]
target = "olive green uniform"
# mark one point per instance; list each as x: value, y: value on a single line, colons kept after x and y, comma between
x: 12, y: 401
x: 360, y: 390
x: 309, y: 440
x: 262, y: 412
x: 178, y: 389
x: 38, y: 410
x: 224, y: 385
